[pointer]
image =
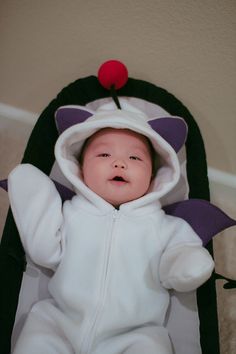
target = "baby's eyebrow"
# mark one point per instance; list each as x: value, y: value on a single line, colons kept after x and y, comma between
x: 101, y: 145
x: 140, y: 150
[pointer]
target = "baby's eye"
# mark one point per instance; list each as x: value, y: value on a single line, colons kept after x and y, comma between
x: 135, y: 158
x: 104, y: 154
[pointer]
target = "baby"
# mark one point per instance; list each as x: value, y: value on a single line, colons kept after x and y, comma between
x: 114, y: 251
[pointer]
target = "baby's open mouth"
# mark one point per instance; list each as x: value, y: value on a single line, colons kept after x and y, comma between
x: 119, y: 179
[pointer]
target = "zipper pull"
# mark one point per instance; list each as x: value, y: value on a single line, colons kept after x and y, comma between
x: 115, y: 213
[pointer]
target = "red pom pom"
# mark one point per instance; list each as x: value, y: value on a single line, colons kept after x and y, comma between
x: 113, y: 73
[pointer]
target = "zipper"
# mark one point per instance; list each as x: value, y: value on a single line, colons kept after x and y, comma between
x: 88, y: 341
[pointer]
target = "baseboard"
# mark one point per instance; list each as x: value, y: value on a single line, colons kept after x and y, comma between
x: 222, y: 177
x: 223, y: 188
x: 7, y: 111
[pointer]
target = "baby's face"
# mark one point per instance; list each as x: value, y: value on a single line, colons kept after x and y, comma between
x: 117, y: 165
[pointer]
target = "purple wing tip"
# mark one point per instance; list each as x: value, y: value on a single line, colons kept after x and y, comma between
x: 206, y: 219
x: 4, y: 184
x: 65, y: 192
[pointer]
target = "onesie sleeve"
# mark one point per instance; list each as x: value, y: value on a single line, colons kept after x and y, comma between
x: 185, y: 264
x: 37, y: 210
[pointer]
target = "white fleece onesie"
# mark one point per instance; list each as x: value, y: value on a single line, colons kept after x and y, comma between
x: 112, y: 267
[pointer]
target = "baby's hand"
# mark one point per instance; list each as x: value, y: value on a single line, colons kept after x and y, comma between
x: 185, y: 268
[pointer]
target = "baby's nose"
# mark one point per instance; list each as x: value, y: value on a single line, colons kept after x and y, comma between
x: 119, y: 163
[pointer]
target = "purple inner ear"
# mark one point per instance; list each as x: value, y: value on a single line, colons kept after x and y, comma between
x: 173, y: 130
x: 68, y: 116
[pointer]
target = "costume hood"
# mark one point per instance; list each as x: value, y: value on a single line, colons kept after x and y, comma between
x: 70, y: 142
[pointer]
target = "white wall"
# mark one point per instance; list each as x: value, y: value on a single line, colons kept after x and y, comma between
x: 185, y: 46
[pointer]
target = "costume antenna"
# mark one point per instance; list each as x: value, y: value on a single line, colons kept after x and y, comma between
x: 113, y: 75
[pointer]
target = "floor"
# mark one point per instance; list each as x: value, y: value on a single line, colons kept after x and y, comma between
x: 13, y: 138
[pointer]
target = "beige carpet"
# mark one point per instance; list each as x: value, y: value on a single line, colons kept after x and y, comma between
x: 13, y: 137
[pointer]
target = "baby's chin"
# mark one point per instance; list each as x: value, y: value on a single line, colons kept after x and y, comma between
x: 118, y: 202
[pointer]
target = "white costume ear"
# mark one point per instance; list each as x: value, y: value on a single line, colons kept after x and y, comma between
x: 173, y: 129
x: 66, y: 116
